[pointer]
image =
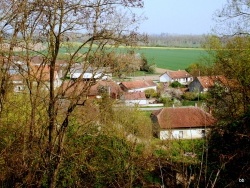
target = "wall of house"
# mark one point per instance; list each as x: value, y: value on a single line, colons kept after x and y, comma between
x: 88, y: 75
x: 185, y: 80
x: 132, y: 102
x: 165, y: 78
x: 141, y: 89
x: 195, y: 86
x: 191, y: 133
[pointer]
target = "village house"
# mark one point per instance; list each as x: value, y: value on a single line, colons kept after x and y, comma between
x: 105, y: 86
x: 132, y: 98
x: 181, y: 76
x: 181, y: 123
x: 91, y: 89
x: 88, y: 72
x: 41, y: 75
x: 138, y: 85
x: 204, y: 83
x: 18, y: 83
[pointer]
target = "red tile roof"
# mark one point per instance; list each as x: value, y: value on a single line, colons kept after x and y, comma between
x: 183, y: 117
x: 138, y: 84
x: 178, y: 74
x: 134, y: 96
x: 209, y: 81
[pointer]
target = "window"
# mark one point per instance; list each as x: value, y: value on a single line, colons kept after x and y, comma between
x: 180, y: 134
x: 203, y: 133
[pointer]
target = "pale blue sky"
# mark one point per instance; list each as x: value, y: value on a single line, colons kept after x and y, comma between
x: 179, y: 16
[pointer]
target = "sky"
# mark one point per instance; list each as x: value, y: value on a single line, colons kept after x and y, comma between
x: 193, y: 17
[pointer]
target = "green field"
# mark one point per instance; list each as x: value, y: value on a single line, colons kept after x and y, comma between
x: 173, y: 58
x: 163, y: 57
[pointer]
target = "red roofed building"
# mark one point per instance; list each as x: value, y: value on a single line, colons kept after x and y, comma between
x: 181, y: 76
x: 41, y: 74
x: 109, y: 86
x: 89, y: 89
x: 181, y: 123
x: 204, y: 83
x: 131, y: 98
x: 137, y: 85
x: 18, y: 83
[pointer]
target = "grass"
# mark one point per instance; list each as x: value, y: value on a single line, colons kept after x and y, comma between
x: 175, y: 149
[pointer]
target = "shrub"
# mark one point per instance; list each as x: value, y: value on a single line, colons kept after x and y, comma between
x: 191, y: 96
x: 175, y: 84
x: 150, y: 93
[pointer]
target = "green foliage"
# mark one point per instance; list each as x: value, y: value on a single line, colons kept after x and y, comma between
x: 197, y: 69
x: 146, y: 66
x: 230, y: 58
x: 176, y: 84
x: 191, y: 96
x: 135, y: 124
x: 151, y: 93
x: 204, y: 96
x: 166, y: 101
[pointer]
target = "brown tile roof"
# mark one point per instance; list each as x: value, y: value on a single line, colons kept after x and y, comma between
x: 178, y: 74
x: 72, y: 89
x: 41, y: 73
x: 75, y: 88
x: 183, y: 117
x: 37, y: 60
x: 209, y: 81
x: 16, y: 77
x: 138, y: 84
x: 112, y: 86
x: 134, y: 96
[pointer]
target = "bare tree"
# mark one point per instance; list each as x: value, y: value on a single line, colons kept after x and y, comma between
x: 233, y: 18
x: 106, y: 24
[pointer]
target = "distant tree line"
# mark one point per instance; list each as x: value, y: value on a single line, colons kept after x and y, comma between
x: 174, y: 40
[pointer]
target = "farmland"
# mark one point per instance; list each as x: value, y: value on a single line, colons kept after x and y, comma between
x: 172, y: 58
x: 163, y: 57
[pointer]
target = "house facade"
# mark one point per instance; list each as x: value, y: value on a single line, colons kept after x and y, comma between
x: 181, y: 76
x: 138, y: 85
x: 181, y: 123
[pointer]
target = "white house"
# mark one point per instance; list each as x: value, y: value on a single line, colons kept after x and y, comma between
x: 17, y: 83
x: 181, y: 76
x: 138, y: 85
x: 131, y: 98
x: 181, y: 123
